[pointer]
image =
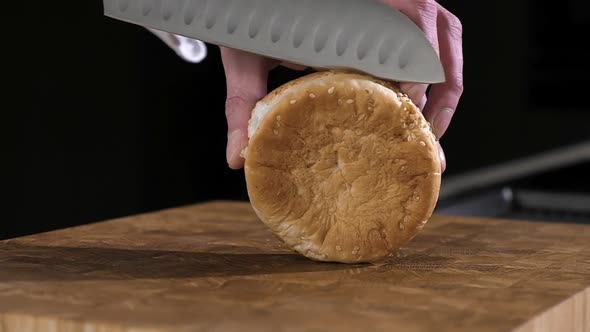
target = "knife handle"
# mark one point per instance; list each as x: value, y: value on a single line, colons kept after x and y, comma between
x: 191, y: 50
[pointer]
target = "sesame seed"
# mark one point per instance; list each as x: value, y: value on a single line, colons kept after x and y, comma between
x: 339, y: 248
x: 293, y: 102
x: 276, y: 132
x: 422, y: 143
x: 331, y: 90
x: 402, y: 226
x: 311, y: 95
x: 350, y: 101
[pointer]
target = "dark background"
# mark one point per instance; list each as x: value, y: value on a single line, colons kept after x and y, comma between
x: 102, y: 120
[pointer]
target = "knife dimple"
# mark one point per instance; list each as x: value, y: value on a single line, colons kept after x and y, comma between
x: 233, y: 18
x: 320, y: 37
x: 276, y: 28
x: 146, y: 7
x: 254, y: 24
x: 123, y: 5
x: 212, y: 12
x: 168, y: 9
x: 342, y: 38
x: 193, y: 11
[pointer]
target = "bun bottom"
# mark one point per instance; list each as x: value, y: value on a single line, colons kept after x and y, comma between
x: 342, y: 167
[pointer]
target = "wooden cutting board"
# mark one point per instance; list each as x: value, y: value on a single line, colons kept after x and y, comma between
x: 216, y: 267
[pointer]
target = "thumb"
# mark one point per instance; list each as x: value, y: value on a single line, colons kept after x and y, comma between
x: 246, y: 77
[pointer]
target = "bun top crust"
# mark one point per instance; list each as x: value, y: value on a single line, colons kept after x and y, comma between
x: 342, y: 167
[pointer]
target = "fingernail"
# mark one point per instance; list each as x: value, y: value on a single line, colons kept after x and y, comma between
x: 233, y: 146
x: 443, y: 158
x: 441, y: 122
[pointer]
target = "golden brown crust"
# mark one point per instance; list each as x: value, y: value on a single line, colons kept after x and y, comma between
x: 342, y: 167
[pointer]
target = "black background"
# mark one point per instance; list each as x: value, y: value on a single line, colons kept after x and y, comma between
x: 102, y: 120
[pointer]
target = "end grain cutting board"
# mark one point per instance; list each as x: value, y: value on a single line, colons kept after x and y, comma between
x: 216, y: 267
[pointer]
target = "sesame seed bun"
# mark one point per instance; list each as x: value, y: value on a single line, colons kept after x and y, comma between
x: 342, y: 167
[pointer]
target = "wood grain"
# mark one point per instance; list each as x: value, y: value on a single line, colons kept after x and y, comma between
x: 216, y: 267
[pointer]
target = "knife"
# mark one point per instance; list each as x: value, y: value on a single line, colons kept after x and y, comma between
x: 366, y: 36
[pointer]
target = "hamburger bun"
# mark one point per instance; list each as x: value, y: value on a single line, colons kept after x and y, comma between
x: 342, y: 167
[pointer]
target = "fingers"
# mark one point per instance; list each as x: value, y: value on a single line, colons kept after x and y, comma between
x: 444, y: 32
x: 246, y: 78
x: 424, y: 14
x: 422, y: 102
x: 444, y: 97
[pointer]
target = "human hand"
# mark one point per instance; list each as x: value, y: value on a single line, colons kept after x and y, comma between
x: 246, y: 79
x: 444, y: 31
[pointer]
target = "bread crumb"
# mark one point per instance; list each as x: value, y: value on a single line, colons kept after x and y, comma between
x: 339, y: 248
x: 312, y: 96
